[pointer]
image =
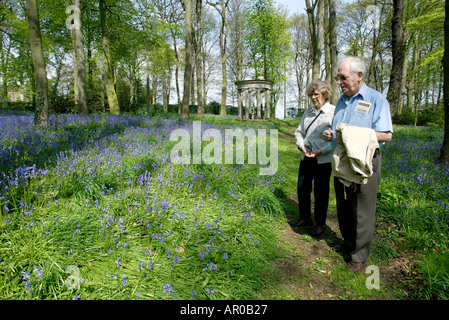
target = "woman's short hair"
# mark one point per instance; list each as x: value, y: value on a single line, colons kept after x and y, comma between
x: 321, y: 86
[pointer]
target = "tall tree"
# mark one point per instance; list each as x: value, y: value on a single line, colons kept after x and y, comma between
x: 188, y: 60
x: 333, y: 49
x: 114, y: 107
x: 222, y: 6
x: 40, y: 73
x: 236, y: 46
x: 268, y: 43
x: 397, y: 44
x: 199, y: 56
x: 80, y: 67
x: 301, y: 55
x: 5, y: 54
x: 444, y: 153
x: 315, y: 12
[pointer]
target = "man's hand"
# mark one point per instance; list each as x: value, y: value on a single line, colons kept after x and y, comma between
x: 327, y: 135
x: 384, y: 136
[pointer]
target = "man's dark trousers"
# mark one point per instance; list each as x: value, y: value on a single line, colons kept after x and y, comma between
x: 356, y: 210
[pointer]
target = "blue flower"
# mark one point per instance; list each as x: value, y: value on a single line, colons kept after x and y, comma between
x: 26, y: 275
x: 167, y: 288
x: 124, y: 281
x: 28, y: 287
x: 38, y: 272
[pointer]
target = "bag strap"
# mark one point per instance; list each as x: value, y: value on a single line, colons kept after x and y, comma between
x: 305, y: 133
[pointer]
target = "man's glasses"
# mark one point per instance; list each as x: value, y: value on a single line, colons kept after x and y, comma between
x: 342, y: 78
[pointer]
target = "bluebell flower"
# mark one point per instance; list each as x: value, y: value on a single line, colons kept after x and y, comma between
x: 124, y: 281
x: 38, y: 272
x: 167, y: 288
x: 28, y: 287
x: 26, y: 275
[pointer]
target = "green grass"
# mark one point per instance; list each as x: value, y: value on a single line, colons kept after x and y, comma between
x: 130, y: 224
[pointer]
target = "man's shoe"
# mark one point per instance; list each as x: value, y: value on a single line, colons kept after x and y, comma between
x: 317, y: 230
x: 301, y: 223
x: 356, y: 266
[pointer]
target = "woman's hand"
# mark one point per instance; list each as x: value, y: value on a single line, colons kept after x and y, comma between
x: 313, y: 153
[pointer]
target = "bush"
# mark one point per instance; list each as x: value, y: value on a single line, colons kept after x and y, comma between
x: 430, y: 116
x: 213, y: 107
x: 61, y: 104
x: 406, y: 118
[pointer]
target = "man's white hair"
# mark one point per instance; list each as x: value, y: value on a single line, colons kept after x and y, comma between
x: 355, y: 64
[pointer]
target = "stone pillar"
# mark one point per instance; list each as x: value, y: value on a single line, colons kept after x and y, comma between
x: 248, y: 103
x: 267, y: 114
x: 240, y: 103
x: 259, y: 104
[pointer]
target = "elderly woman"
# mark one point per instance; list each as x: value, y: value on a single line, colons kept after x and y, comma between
x: 315, y: 166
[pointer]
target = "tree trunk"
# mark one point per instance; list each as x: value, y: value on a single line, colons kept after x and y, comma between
x: 403, y: 85
x: 188, y: 60
x: 40, y: 73
x: 411, y: 95
x: 444, y: 153
x: 333, y: 48
x: 199, y: 57
x: 327, y: 52
x: 5, y: 54
x: 114, y: 107
x: 397, y: 43
x: 316, y: 34
x: 178, y: 93
x: 221, y: 8
x: 165, y: 85
x: 90, y: 67
x: 4, y: 90
x: 80, y: 69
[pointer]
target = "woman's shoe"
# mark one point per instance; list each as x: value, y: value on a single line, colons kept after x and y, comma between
x: 301, y: 223
x: 317, y: 230
x: 343, y: 248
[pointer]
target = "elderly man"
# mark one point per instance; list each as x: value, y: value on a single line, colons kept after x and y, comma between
x: 359, y: 106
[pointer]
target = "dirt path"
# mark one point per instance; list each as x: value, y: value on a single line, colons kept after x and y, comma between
x: 312, y: 260
x: 313, y: 269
